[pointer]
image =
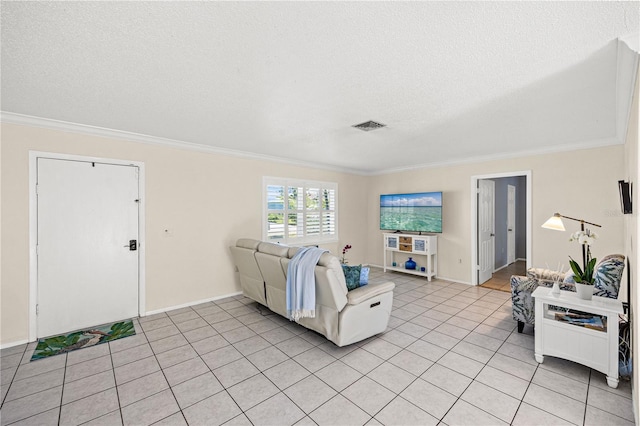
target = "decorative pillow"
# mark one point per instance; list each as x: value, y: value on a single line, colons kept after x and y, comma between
x: 608, y: 275
x: 352, y: 276
x: 364, y: 276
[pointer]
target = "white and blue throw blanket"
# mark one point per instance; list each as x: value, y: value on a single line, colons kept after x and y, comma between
x: 301, y: 283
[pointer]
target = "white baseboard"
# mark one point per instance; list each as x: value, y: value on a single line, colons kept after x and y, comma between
x: 12, y: 344
x: 502, y: 267
x: 454, y: 280
x: 185, y: 305
x: 156, y: 311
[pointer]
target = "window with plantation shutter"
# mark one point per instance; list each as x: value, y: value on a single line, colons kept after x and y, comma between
x: 300, y: 212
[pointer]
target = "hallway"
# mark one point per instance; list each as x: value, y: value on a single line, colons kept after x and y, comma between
x: 500, y: 279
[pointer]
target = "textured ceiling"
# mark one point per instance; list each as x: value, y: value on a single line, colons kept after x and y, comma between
x: 451, y: 80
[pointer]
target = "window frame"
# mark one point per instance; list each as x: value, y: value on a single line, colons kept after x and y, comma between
x: 286, y: 211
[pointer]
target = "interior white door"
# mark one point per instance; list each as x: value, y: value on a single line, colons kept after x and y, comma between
x: 87, y: 272
x: 511, y: 224
x: 486, y: 229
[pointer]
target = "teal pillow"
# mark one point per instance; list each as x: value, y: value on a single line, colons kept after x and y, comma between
x: 352, y: 276
x: 364, y: 276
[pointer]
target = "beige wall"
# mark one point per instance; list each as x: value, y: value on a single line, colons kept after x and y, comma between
x: 188, y: 193
x: 206, y: 201
x: 581, y: 184
x: 632, y: 236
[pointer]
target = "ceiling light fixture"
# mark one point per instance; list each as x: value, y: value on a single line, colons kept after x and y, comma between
x: 369, y: 125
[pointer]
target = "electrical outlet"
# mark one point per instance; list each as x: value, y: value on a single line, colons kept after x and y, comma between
x: 459, y: 260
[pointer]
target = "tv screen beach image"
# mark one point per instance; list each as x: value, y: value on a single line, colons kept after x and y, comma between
x: 418, y: 212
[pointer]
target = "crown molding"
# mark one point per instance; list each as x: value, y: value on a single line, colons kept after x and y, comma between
x: 597, y: 143
x: 632, y: 41
x: 28, y: 120
x: 626, y: 71
x: 65, y: 126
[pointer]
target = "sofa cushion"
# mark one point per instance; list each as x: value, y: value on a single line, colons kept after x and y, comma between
x: 248, y: 243
x: 329, y: 260
x: 273, y: 249
x: 364, y: 275
x: 292, y: 252
x: 352, y: 276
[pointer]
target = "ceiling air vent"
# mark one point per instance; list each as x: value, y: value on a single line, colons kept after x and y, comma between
x: 368, y: 125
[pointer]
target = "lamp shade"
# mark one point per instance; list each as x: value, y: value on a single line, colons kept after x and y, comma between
x: 555, y: 223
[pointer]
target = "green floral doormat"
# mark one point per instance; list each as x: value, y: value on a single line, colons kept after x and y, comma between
x: 64, y: 343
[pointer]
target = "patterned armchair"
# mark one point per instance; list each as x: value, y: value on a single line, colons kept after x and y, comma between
x: 607, y: 283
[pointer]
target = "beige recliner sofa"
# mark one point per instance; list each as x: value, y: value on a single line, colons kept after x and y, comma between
x: 342, y: 316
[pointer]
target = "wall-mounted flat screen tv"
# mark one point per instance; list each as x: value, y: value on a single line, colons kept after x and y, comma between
x: 415, y: 212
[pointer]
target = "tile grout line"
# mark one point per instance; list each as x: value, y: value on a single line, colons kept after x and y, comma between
x: 199, y: 356
x: 280, y: 391
x: 586, y: 400
x: 155, y: 355
x: 13, y: 376
x: 228, y: 344
x: 115, y: 383
x: 458, y: 398
x: 35, y: 393
x: 398, y: 321
x: 64, y: 378
x: 398, y: 394
x: 161, y: 370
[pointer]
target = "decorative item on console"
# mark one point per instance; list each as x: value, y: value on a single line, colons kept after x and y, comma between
x: 584, y: 276
x: 557, y: 276
x: 410, y: 264
x: 346, y: 248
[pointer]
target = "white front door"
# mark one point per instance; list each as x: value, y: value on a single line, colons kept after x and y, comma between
x: 87, y: 273
x: 486, y: 229
x: 511, y: 224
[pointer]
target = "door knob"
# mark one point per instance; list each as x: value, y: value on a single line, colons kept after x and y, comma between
x: 133, y: 245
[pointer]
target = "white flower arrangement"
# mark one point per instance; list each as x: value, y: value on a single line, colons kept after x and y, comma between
x: 585, y: 274
x: 584, y: 237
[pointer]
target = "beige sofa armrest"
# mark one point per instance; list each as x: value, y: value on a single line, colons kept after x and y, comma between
x: 360, y: 294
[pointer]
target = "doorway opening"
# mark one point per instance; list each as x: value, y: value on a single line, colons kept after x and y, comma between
x: 501, y: 226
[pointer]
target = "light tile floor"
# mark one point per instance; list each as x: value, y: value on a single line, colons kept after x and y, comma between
x: 449, y: 357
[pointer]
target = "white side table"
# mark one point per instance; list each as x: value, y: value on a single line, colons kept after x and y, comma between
x: 593, y: 346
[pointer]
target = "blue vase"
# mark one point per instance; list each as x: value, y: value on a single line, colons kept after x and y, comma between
x: 410, y: 264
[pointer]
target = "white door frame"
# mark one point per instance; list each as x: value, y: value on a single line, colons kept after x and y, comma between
x: 474, y: 217
x: 511, y: 225
x: 33, y: 227
x: 486, y: 263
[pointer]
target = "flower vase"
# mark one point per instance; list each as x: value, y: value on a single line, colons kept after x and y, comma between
x: 410, y: 264
x: 585, y: 291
